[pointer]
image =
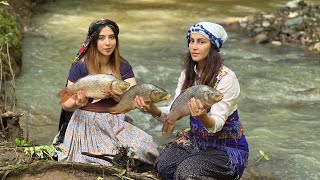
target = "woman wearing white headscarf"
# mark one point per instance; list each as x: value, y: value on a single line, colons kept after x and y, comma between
x: 215, y: 146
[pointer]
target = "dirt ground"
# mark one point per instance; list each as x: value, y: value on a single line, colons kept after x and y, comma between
x: 15, y: 164
x: 60, y: 174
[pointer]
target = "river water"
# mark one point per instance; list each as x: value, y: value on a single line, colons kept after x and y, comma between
x: 280, y: 86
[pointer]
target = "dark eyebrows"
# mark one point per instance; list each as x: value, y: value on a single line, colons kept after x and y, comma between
x: 106, y: 35
x: 203, y: 39
x: 199, y: 39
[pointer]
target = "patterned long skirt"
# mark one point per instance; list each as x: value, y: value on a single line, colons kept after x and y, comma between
x: 102, y: 133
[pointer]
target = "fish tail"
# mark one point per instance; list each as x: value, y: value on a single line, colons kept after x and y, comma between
x: 64, y: 95
x: 168, y: 126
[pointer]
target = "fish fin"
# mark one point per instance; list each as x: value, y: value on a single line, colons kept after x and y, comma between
x: 167, y: 127
x: 123, y: 112
x: 95, y: 100
x: 114, y: 113
x: 164, y: 127
x: 62, y: 92
x: 64, y: 95
x: 170, y: 129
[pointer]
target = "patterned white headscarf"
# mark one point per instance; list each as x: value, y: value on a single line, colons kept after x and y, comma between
x: 214, y: 32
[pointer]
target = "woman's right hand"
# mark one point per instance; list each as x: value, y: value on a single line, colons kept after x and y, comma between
x: 80, y: 98
x: 141, y: 104
x: 147, y: 106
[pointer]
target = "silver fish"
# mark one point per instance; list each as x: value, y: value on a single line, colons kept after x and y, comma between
x: 206, y: 94
x: 95, y: 86
x: 149, y: 92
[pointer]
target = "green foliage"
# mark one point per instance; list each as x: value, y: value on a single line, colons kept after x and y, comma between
x: 263, y: 155
x: 41, y: 151
x: 9, y: 30
x: 22, y: 143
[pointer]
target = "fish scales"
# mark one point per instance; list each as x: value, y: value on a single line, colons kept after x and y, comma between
x: 95, y: 86
x: 206, y: 94
x: 149, y: 92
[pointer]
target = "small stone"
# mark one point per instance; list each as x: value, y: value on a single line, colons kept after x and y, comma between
x: 317, y: 47
x: 277, y: 43
x: 261, y: 38
x: 268, y: 16
x: 293, y: 4
x: 266, y: 24
x: 293, y: 14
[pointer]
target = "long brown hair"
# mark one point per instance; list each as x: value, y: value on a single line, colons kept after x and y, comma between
x: 209, y: 73
x: 92, y: 60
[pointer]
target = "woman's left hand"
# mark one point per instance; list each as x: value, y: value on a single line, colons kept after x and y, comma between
x: 196, y: 108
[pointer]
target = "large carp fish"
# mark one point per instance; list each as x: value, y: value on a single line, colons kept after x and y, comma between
x: 95, y: 86
x: 179, y: 108
x: 149, y: 92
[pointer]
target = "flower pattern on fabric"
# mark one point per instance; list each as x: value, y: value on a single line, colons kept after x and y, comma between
x: 101, y: 133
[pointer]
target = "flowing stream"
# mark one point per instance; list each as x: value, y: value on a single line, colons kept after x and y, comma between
x: 280, y: 86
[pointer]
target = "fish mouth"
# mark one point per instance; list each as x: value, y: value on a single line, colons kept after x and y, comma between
x: 167, y: 97
x: 220, y: 98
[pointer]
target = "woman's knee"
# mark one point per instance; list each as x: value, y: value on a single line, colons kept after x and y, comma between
x: 165, y: 169
x: 186, y: 170
x: 167, y: 162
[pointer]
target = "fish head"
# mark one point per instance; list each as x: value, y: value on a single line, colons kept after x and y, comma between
x: 211, y: 97
x: 119, y: 87
x: 159, y: 95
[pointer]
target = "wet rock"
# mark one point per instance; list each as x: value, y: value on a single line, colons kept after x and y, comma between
x: 293, y: 14
x: 258, y: 30
x: 296, y: 23
x: 277, y: 43
x: 294, y: 4
x: 317, y: 47
x: 266, y: 24
x: 261, y: 38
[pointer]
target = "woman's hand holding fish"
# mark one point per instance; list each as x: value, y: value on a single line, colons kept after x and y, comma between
x: 80, y: 99
x: 196, y: 108
x: 141, y: 104
x: 148, y: 107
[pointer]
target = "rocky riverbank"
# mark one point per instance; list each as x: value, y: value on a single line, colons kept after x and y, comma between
x: 295, y: 24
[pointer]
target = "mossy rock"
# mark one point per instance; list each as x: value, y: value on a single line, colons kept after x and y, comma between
x: 11, y: 37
